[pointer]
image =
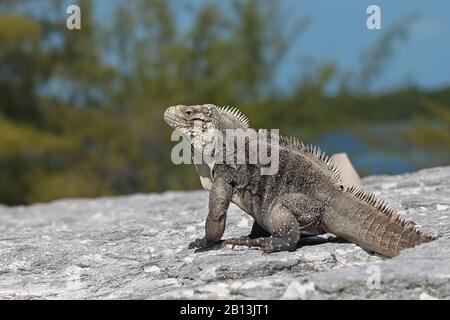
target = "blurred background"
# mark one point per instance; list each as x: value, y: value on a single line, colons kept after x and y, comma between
x: 81, y: 110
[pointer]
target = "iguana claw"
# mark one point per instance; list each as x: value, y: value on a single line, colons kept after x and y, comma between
x: 199, y: 244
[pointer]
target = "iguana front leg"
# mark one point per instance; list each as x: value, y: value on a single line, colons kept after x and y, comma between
x: 219, y: 200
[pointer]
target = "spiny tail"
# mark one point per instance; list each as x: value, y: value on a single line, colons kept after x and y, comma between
x: 359, y: 217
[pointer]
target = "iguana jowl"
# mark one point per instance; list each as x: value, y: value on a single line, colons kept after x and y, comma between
x: 305, y: 197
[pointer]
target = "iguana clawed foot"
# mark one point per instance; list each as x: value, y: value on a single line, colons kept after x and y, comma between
x: 242, y: 241
x: 203, y: 245
x: 199, y: 243
x: 266, y: 244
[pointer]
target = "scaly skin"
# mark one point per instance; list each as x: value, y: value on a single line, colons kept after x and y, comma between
x: 305, y: 197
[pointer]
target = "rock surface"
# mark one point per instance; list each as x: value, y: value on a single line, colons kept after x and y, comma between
x: 135, y: 247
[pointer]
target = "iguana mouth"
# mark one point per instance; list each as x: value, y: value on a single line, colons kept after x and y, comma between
x: 172, y: 121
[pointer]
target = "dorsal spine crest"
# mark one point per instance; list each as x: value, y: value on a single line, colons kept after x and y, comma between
x: 382, y: 207
x: 314, y: 150
x: 234, y: 112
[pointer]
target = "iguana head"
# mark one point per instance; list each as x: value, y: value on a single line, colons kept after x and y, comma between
x: 222, y: 135
x: 190, y: 119
x: 198, y: 122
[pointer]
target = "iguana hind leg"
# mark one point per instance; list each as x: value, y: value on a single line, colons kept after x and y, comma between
x: 284, y: 228
x: 308, y: 212
x: 257, y: 232
x: 266, y: 244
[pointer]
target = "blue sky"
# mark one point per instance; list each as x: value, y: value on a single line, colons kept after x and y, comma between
x: 337, y: 33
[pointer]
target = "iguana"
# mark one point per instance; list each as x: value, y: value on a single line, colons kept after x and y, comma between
x: 304, y: 197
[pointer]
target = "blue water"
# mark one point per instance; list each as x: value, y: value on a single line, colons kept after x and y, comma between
x: 369, y: 159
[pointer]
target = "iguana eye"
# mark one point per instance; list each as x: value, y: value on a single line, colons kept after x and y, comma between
x: 188, y: 113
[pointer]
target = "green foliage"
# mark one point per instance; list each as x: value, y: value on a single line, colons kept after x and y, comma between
x: 433, y: 135
x: 81, y: 111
